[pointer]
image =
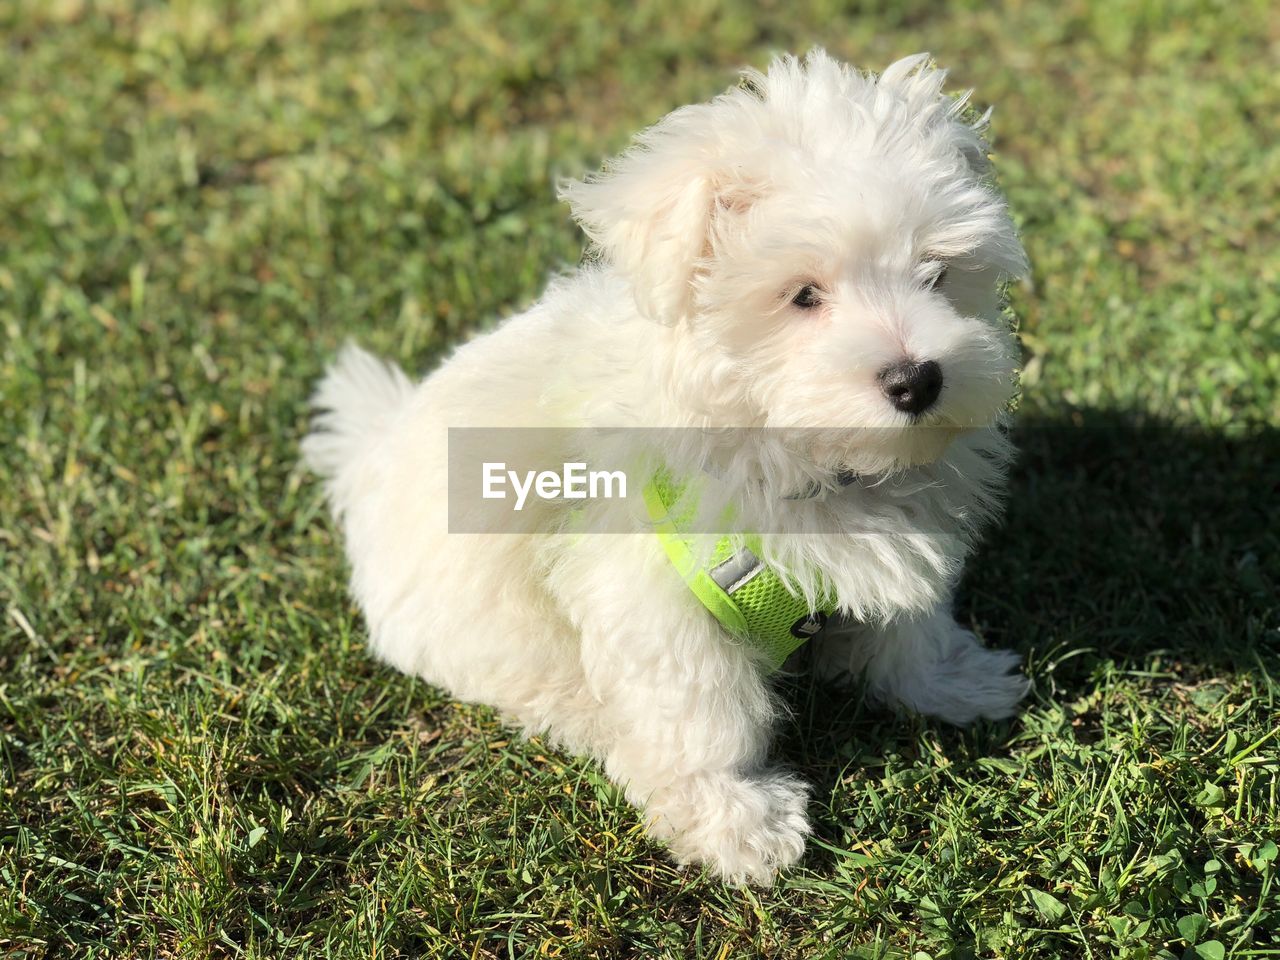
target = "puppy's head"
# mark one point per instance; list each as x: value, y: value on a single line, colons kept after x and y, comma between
x: 830, y: 250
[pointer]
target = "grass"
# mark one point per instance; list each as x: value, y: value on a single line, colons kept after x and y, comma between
x: 199, y: 201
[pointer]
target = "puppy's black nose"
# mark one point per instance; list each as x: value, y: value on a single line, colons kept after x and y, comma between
x: 912, y: 386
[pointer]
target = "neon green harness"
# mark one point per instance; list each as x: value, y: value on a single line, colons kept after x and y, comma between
x: 749, y: 598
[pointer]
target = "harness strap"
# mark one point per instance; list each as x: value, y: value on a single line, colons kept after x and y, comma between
x: 748, y: 597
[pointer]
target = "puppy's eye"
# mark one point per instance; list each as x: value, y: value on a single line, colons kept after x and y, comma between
x: 807, y: 297
x: 939, y: 275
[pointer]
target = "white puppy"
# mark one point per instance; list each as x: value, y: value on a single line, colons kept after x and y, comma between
x: 817, y: 256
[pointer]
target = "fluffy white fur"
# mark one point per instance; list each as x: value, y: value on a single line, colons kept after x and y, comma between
x: 810, y: 174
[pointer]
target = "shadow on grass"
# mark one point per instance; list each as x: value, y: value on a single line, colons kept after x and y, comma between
x: 1125, y: 541
x: 1131, y: 536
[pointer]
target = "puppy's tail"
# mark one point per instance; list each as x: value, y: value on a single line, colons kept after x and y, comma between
x: 354, y: 402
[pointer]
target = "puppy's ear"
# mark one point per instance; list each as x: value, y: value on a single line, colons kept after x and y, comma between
x: 649, y: 211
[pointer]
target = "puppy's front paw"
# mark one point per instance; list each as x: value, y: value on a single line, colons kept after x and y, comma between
x: 744, y: 829
x: 970, y: 682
